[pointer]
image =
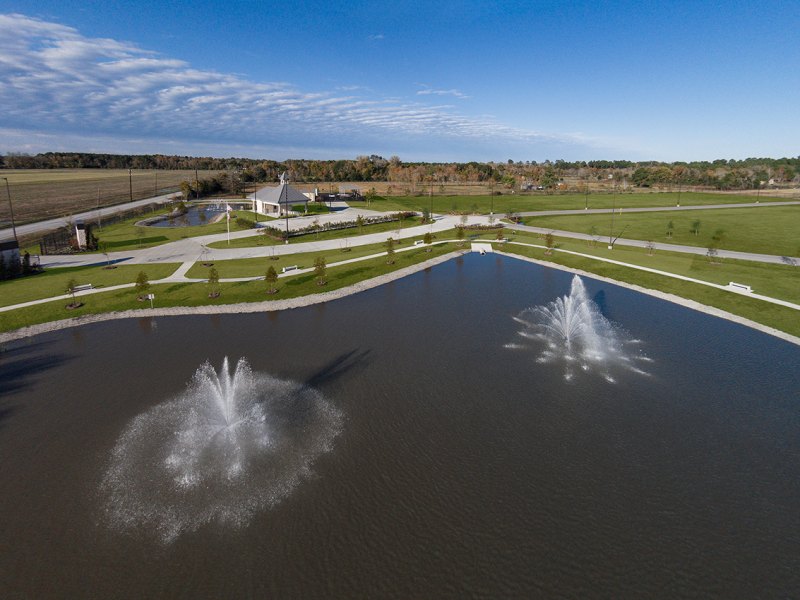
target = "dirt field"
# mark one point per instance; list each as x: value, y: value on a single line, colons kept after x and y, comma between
x: 39, y: 194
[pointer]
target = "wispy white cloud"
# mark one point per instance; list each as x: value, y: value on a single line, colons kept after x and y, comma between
x: 375, y: 36
x: 55, y: 81
x: 451, y: 92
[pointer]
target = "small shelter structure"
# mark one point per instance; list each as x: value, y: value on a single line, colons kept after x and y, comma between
x: 273, y: 201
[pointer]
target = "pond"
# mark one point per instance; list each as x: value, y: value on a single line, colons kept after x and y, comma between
x: 200, y: 214
x: 427, y: 438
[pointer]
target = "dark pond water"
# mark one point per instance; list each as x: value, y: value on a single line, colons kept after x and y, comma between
x: 456, y: 467
x: 194, y: 215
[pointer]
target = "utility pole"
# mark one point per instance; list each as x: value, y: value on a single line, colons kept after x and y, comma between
x: 130, y: 185
x: 11, y: 210
x: 155, y: 185
x: 196, y: 185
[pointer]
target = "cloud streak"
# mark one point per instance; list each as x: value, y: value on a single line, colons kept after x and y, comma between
x: 54, y: 80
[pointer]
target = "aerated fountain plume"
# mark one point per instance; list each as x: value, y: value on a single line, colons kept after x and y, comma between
x: 573, y: 331
x: 233, y: 444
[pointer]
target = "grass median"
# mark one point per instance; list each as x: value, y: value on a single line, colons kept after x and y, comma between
x: 764, y: 230
x: 339, y: 234
x: 53, y: 282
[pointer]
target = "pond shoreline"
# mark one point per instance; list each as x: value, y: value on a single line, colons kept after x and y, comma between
x: 310, y: 300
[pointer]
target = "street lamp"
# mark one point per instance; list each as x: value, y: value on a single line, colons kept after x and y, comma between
x: 285, y: 209
x: 11, y: 210
x: 586, y: 195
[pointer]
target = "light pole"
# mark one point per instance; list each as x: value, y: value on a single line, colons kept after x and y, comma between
x: 586, y: 195
x: 11, y: 210
x: 130, y: 185
x: 285, y: 209
x: 613, y: 208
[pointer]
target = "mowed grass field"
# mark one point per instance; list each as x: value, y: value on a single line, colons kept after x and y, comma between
x: 39, y: 194
x: 763, y: 229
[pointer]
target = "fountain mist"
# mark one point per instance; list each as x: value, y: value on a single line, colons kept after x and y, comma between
x: 233, y: 444
x: 575, y: 333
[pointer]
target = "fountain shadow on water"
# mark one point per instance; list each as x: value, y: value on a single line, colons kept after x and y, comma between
x: 345, y: 362
x: 233, y: 444
x: 572, y: 331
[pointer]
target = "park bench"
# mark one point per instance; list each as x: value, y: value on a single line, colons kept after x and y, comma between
x: 83, y: 287
x: 291, y: 268
x: 418, y: 242
x: 740, y: 287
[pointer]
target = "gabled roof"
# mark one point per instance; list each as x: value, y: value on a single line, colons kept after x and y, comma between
x: 283, y: 194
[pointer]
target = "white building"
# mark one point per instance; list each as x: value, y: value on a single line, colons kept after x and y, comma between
x: 274, y: 201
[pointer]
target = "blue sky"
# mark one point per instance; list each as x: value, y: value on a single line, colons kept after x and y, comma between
x: 423, y: 80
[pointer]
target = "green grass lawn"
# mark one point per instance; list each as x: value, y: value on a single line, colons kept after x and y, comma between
x: 765, y: 230
x: 339, y: 234
x: 126, y: 235
x: 196, y: 294
x: 53, y: 282
x: 520, y: 203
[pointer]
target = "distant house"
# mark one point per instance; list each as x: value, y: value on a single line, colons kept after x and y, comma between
x: 274, y: 201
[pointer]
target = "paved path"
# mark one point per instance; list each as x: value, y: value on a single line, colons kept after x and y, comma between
x: 87, y: 216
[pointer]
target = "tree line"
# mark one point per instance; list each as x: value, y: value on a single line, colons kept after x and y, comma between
x: 749, y: 173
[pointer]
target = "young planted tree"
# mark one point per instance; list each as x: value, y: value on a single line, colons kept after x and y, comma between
x: 464, y: 218
x: 360, y: 223
x: 142, y: 284
x: 670, y: 228
x: 72, y: 285
x: 140, y: 235
x: 460, y: 235
x: 271, y: 278
x: 213, y: 283
x: 651, y: 248
x: 696, y: 227
x: 550, y: 242
x: 593, y: 233
x: 427, y: 239
x: 320, y: 270
x: 390, y: 251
